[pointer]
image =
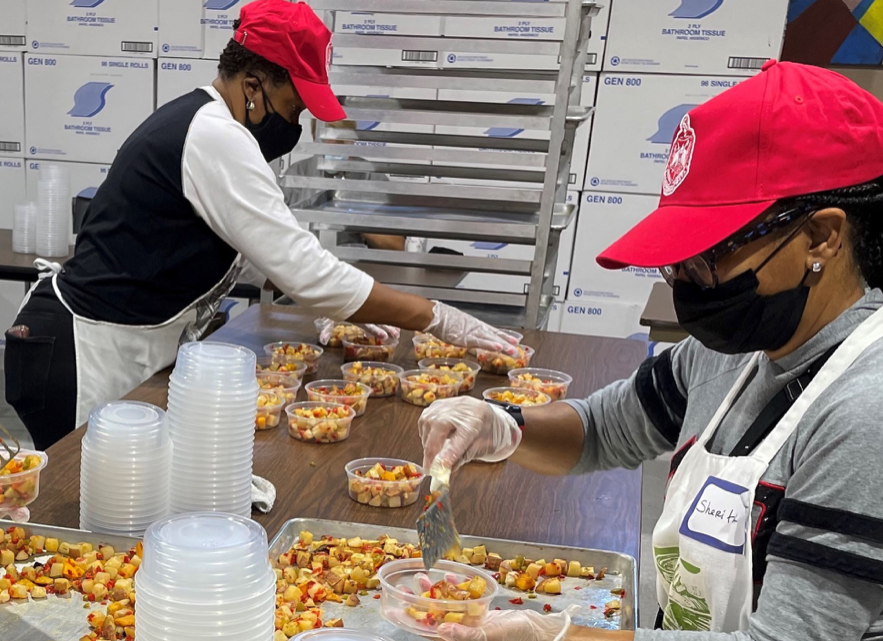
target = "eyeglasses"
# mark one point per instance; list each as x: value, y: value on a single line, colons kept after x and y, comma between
x: 702, y: 269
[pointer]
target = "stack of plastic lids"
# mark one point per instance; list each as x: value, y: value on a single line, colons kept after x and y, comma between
x: 24, y: 229
x: 205, y: 576
x: 212, y: 405
x: 54, y: 212
x: 125, y: 469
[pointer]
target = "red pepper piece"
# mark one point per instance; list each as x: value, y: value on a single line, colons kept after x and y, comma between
x: 547, y: 608
x: 518, y: 601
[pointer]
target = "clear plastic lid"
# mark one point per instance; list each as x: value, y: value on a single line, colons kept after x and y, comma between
x: 338, y: 634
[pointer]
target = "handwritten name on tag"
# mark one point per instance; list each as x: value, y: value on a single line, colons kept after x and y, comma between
x: 719, y: 516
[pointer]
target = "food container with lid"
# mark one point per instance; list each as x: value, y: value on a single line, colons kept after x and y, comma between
x: 369, y: 348
x: 347, y: 393
x: 428, y: 346
x: 384, y: 482
x: 467, y: 369
x: 382, y: 378
x: 317, y: 422
x: 269, y: 412
x: 288, y: 353
x: 500, y: 363
x: 521, y: 396
x: 552, y: 383
x: 422, y: 387
x: 406, y: 598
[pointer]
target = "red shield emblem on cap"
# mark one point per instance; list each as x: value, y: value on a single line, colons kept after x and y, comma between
x: 679, y: 158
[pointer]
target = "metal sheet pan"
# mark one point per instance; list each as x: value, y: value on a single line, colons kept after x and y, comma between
x: 622, y: 573
x: 52, y: 619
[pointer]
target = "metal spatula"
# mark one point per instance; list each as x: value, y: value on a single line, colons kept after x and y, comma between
x: 435, y: 527
x: 9, y: 447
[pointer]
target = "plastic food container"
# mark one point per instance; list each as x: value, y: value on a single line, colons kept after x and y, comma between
x: 467, y: 369
x: 548, y: 381
x: 275, y: 380
x: 294, y: 370
x: 338, y: 634
x: 518, y: 336
x: 315, y: 422
x: 382, y: 378
x: 500, y: 363
x: 428, y: 346
x: 347, y: 393
x: 19, y: 486
x: 284, y: 353
x: 520, y: 396
x: 403, y: 605
x: 369, y: 348
x: 372, y: 481
x: 270, y: 407
x: 422, y: 388
x: 342, y: 331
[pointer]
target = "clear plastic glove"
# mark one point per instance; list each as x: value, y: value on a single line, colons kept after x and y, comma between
x: 458, y: 430
x: 459, y: 328
x: 509, y: 625
x: 325, y: 326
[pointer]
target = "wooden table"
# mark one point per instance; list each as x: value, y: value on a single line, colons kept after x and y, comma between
x: 659, y: 315
x: 601, y: 510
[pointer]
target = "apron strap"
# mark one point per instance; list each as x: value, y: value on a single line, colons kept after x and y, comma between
x: 778, y: 406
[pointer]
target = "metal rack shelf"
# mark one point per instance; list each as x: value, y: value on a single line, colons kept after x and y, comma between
x: 409, y: 165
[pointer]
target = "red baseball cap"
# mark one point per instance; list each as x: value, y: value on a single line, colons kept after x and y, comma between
x: 792, y: 130
x: 292, y: 36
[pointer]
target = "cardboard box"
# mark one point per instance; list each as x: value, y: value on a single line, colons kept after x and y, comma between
x: 507, y: 282
x: 93, y: 27
x: 217, y: 21
x: 83, y: 176
x: 430, y: 58
x: 12, y: 187
x: 12, y: 104
x: 604, y: 218
x: 81, y: 108
x: 181, y: 31
x: 581, y: 141
x: 177, y: 76
x: 598, y: 317
x: 393, y: 24
x: 13, y: 26
x: 695, y: 36
x: 635, y: 119
x: 556, y: 314
x: 523, y: 29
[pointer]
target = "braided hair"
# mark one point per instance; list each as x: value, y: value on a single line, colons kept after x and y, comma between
x: 235, y: 58
x: 863, y: 205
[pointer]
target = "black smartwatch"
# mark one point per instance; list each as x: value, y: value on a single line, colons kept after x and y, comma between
x: 512, y: 410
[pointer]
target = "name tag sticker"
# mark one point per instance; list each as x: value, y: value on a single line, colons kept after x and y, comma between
x: 718, y: 516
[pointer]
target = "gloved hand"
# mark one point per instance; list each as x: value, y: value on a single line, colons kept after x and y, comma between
x: 463, y: 429
x: 459, y: 328
x: 509, y: 625
x: 324, y: 327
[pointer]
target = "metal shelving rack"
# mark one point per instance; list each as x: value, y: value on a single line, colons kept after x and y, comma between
x: 530, y: 210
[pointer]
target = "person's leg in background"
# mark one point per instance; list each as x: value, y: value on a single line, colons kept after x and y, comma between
x: 41, y: 368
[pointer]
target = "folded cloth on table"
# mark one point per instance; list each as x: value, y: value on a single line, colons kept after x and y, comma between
x: 263, y: 494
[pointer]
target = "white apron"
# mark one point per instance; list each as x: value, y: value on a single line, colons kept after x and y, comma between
x: 701, y: 543
x: 112, y: 359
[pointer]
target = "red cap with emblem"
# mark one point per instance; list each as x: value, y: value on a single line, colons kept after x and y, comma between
x: 292, y: 36
x: 791, y: 130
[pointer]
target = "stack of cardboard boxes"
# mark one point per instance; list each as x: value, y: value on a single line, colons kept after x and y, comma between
x: 79, y: 76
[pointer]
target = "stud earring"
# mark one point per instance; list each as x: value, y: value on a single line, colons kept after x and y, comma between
x: 250, y: 105
x: 816, y: 268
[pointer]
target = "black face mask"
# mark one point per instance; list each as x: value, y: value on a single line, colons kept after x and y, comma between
x: 733, y: 318
x: 275, y: 135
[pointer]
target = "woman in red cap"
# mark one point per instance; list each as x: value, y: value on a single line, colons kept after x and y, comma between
x: 189, y: 206
x: 770, y: 231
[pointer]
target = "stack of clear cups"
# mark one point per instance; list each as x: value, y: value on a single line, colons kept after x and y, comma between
x: 24, y: 229
x: 212, y: 407
x: 54, y: 212
x: 60, y: 174
x: 125, y: 469
x: 204, y: 576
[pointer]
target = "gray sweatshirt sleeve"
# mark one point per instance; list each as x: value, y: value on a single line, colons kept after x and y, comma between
x: 636, y: 419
